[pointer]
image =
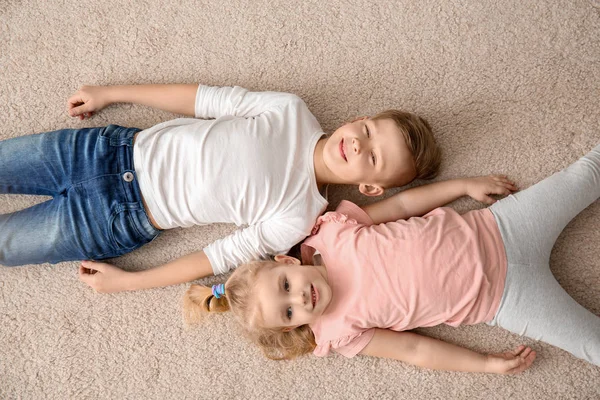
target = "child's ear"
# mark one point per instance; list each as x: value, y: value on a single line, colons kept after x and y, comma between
x: 370, y: 190
x: 282, y: 258
x: 359, y: 118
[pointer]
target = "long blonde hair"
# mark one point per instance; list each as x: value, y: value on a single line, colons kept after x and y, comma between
x: 276, y: 343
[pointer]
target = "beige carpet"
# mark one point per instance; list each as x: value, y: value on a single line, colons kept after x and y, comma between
x: 509, y: 86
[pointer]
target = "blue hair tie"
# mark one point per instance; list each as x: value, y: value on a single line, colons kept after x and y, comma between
x: 218, y: 290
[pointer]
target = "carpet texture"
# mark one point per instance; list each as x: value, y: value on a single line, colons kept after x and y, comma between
x: 509, y: 87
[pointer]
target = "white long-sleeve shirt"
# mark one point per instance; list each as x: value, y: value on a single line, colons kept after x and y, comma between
x: 249, y: 161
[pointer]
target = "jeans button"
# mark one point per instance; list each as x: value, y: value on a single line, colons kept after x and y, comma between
x: 128, y: 176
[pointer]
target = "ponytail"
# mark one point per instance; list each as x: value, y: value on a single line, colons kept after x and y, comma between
x: 199, y: 301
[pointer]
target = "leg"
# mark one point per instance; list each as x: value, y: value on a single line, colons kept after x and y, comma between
x: 530, y: 221
x: 83, y: 224
x: 535, y: 305
x: 46, y: 163
x: 97, y: 214
x: 39, y: 234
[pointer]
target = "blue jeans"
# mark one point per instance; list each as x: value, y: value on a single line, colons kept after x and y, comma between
x: 96, y: 210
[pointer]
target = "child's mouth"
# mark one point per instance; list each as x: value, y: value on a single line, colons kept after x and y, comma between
x: 313, y: 293
x: 342, y: 152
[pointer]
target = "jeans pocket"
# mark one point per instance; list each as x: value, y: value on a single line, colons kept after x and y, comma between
x: 123, y: 232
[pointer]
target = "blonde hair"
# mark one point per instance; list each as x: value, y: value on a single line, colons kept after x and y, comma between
x: 419, y: 139
x: 276, y: 343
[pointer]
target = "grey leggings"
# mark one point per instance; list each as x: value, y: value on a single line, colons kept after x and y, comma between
x: 533, y: 303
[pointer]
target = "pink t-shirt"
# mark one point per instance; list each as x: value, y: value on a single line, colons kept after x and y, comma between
x: 424, y: 271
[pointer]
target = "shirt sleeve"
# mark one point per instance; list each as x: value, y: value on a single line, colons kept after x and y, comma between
x: 252, y: 243
x: 355, y: 212
x: 215, y: 102
x: 348, y: 346
x: 346, y: 212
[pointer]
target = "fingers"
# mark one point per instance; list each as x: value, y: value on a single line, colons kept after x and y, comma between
x: 80, y: 106
x: 80, y: 110
x: 85, y: 271
x: 531, y: 358
x: 86, y: 115
x: 88, y: 271
x: 525, y: 354
x: 485, y: 186
x: 488, y: 200
x: 524, y: 357
x: 75, y: 100
x: 103, y: 277
x: 500, y: 190
x: 524, y: 363
x: 86, y: 276
x: 513, y: 365
x: 93, y: 266
x: 518, y: 350
x: 503, y: 181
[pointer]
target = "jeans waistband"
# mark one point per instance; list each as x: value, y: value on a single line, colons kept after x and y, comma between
x: 123, y: 138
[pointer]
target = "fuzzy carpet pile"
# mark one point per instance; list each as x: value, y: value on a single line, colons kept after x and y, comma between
x: 509, y: 87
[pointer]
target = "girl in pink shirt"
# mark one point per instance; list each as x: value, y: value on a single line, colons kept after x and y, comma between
x: 366, y: 282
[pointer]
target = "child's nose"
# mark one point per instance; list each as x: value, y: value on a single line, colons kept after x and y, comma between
x: 301, y: 298
x: 356, y: 146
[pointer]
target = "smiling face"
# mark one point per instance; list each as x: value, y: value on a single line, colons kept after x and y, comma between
x: 370, y: 153
x: 291, y: 295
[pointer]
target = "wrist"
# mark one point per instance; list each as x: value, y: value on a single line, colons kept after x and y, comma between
x: 110, y: 94
x: 493, y: 365
x: 130, y: 281
x: 486, y: 364
x: 465, y: 185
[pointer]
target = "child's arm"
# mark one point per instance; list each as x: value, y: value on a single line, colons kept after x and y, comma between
x: 420, y: 200
x: 431, y: 353
x: 175, y: 98
x: 106, y: 278
x: 270, y: 237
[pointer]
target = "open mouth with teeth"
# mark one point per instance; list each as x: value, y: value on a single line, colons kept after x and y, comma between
x: 342, y: 151
x: 313, y: 295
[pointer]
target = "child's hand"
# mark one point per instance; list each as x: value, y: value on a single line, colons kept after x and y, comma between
x: 481, y: 187
x: 510, y: 362
x: 87, y: 100
x: 102, y: 277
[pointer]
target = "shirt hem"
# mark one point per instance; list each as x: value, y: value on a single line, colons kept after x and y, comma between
x: 503, y: 266
x: 145, y: 184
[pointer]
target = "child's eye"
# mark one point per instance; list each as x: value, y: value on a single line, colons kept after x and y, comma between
x: 368, y: 132
x: 286, y: 285
x: 373, y: 158
x: 289, y: 313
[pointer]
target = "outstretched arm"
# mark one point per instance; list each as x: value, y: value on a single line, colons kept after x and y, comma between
x: 232, y: 250
x: 422, y: 199
x: 431, y: 353
x: 106, y: 278
x: 175, y: 98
